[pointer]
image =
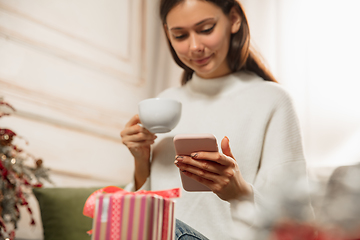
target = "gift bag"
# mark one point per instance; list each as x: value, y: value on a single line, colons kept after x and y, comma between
x: 121, y: 215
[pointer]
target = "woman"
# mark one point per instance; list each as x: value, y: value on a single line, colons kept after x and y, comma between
x: 225, y: 91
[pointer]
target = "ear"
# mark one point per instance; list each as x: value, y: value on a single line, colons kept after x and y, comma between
x: 235, y: 20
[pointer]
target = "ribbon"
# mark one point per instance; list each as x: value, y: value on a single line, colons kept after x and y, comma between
x: 89, y: 207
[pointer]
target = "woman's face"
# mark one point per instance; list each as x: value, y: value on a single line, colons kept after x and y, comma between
x: 200, y: 34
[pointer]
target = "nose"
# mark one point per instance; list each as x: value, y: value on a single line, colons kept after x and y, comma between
x: 195, y: 43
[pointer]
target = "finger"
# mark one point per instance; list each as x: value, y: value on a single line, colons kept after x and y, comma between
x: 216, y: 187
x: 213, y: 181
x: 134, y: 120
x: 135, y: 129
x: 204, y: 181
x: 133, y: 145
x: 197, y: 171
x: 212, y: 185
x: 205, y: 165
x: 139, y: 137
x: 225, y: 147
x: 213, y: 156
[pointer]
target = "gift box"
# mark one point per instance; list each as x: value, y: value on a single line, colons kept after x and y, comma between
x: 121, y: 215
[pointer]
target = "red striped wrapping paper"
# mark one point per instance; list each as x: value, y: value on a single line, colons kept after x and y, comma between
x: 123, y: 215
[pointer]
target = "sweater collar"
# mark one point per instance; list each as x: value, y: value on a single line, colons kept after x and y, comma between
x: 213, y: 86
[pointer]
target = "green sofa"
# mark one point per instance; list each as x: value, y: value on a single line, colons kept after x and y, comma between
x: 61, y: 212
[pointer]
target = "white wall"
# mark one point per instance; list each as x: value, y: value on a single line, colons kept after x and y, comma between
x: 320, y: 49
x: 75, y: 71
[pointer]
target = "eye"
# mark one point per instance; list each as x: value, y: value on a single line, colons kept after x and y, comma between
x: 208, y: 30
x: 180, y: 36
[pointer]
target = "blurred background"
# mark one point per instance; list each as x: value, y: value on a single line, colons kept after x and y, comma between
x: 75, y: 71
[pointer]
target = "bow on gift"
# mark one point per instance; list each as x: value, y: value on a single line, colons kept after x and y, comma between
x: 89, y: 207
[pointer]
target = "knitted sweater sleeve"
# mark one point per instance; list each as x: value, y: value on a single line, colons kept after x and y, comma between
x: 130, y: 187
x: 282, y: 161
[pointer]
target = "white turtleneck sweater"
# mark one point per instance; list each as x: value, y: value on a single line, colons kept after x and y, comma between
x: 259, y: 119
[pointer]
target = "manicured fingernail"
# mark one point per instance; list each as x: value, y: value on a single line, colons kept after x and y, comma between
x: 179, y: 158
x: 227, y: 138
x: 176, y: 162
x: 194, y: 155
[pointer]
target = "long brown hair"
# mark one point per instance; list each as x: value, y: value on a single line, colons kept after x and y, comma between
x: 240, y: 56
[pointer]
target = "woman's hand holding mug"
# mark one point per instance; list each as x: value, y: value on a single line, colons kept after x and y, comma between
x: 138, y: 140
x: 156, y: 115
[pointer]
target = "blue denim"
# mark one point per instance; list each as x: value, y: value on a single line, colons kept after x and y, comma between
x: 185, y: 232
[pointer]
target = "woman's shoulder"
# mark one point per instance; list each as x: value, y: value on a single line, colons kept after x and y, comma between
x: 259, y: 84
x: 274, y: 89
x: 268, y: 91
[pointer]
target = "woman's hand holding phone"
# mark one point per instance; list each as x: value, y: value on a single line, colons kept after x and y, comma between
x: 218, y: 171
x: 138, y: 140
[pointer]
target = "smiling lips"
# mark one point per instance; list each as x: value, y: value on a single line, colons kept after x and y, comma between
x: 202, y: 61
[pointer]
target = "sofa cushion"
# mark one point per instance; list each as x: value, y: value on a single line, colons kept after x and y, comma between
x: 61, y: 212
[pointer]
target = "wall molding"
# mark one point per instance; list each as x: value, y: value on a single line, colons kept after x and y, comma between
x: 128, y: 69
x: 80, y: 117
x: 73, y: 36
x: 66, y: 125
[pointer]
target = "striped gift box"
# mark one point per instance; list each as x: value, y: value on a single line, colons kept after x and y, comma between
x: 129, y: 216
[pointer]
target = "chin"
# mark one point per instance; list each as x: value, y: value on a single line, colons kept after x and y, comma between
x: 205, y: 71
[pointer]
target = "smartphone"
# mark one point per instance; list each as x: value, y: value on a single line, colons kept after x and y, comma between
x: 185, y: 144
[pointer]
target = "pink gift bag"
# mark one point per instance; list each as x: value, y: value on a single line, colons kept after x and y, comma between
x: 121, y: 215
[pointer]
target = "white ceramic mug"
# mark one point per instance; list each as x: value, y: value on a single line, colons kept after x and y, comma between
x: 159, y: 115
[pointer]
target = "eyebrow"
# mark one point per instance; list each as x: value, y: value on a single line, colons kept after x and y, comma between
x: 197, y: 24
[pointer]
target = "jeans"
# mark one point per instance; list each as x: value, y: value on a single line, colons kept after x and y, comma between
x: 185, y: 232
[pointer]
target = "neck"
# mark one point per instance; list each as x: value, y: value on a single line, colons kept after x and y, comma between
x: 221, y: 71
x: 211, y: 86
